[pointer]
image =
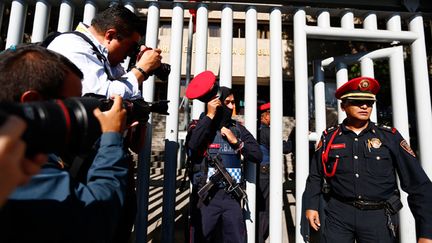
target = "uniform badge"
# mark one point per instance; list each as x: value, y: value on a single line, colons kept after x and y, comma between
x: 364, y: 85
x: 407, y: 148
x: 374, y: 143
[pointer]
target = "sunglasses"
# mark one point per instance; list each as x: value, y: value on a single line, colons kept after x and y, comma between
x: 368, y: 103
x: 227, y: 102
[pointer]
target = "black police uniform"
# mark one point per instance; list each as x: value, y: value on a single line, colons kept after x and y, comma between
x: 264, y: 180
x: 221, y: 207
x: 361, y: 172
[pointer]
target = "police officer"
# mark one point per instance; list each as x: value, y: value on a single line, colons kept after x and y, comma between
x: 356, y: 164
x: 216, y: 133
x: 264, y: 169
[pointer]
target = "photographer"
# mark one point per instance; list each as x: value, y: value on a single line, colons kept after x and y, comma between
x: 53, y: 207
x: 14, y: 168
x: 115, y: 33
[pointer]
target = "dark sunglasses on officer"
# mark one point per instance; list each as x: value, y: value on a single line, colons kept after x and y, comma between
x: 368, y: 103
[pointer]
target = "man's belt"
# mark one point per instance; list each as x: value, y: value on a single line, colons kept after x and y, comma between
x: 361, y: 203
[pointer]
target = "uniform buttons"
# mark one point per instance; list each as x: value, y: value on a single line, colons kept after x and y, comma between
x: 357, y: 175
x: 355, y: 157
x: 356, y: 139
x: 378, y: 158
x: 359, y: 197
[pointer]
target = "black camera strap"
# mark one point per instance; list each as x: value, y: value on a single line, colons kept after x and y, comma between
x: 96, y: 52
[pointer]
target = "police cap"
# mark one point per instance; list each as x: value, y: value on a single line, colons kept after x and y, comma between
x: 361, y: 88
x: 264, y: 107
x: 203, y: 87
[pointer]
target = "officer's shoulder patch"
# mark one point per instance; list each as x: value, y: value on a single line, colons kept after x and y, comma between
x: 330, y: 129
x: 407, y: 148
x: 387, y: 128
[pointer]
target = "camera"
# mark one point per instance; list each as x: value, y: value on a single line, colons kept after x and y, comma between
x: 162, y: 72
x: 68, y: 126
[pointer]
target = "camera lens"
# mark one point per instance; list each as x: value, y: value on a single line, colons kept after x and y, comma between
x: 57, y: 126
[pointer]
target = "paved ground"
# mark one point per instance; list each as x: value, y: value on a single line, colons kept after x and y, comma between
x: 182, y: 200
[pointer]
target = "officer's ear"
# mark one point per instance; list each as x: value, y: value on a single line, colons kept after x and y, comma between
x: 30, y: 95
x: 343, y: 104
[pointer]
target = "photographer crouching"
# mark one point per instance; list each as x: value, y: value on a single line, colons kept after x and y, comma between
x: 53, y: 207
x: 98, y: 51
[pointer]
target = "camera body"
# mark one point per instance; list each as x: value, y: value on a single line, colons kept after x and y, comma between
x: 68, y: 126
x: 162, y: 72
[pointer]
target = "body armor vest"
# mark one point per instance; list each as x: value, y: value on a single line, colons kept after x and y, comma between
x: 231, y: 159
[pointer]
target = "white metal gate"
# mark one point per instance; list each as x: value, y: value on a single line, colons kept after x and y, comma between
x: 414, y: 37
x: 369, y: 33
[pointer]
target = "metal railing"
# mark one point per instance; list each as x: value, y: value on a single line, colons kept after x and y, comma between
x: 279, y: 15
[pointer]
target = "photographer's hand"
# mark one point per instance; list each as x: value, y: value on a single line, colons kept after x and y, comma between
x: 113, y: 120
x: 148, y: 60
x: 15, y: 169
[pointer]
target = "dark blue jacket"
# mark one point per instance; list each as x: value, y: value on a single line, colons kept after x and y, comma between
x: 366, y: 168
x: 53, y: 207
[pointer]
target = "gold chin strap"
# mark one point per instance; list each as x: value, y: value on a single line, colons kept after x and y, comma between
x: 359, y: 96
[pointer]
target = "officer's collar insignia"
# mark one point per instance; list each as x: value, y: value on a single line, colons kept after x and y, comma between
x: 407, y: 148
x: 364, y: 85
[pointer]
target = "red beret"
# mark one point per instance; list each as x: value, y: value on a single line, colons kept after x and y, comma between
x: 202, y: 87
x: 361, y: 88
x: 264, y: 107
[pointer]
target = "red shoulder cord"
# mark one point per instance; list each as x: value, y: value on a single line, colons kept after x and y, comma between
x: 324, y: 156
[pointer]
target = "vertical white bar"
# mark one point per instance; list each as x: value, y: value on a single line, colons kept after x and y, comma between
x: 301, y: 114
x: 367, y: 70
x: 171, y: 132
x: 324, y: 19
x: 341, y: 78
x: 90, y: 10
x: 151, y: 41
x: 251, y: 72
x: 225, y: 78
x: 370, y: 21
x: 145, y: 154
x: 201, y: 52
x: 276, y: 90
x: 41, y: 20
x: 17, y: 19
x: 174, y: 78
x: 65, y: 16
x: 320, y: 105
x: 131, y: 7
x: 394, y: 23
x: 347, y: 20
x: 400, y: 121
x: 422, y: 94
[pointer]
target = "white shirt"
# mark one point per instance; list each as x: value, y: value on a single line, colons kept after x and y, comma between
x: 95, y: 80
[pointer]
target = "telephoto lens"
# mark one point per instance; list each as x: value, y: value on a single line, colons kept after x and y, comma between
x: 57, y: 126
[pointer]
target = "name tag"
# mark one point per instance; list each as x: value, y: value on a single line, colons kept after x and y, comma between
x: 338, y: 146
x: 214, y: 146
